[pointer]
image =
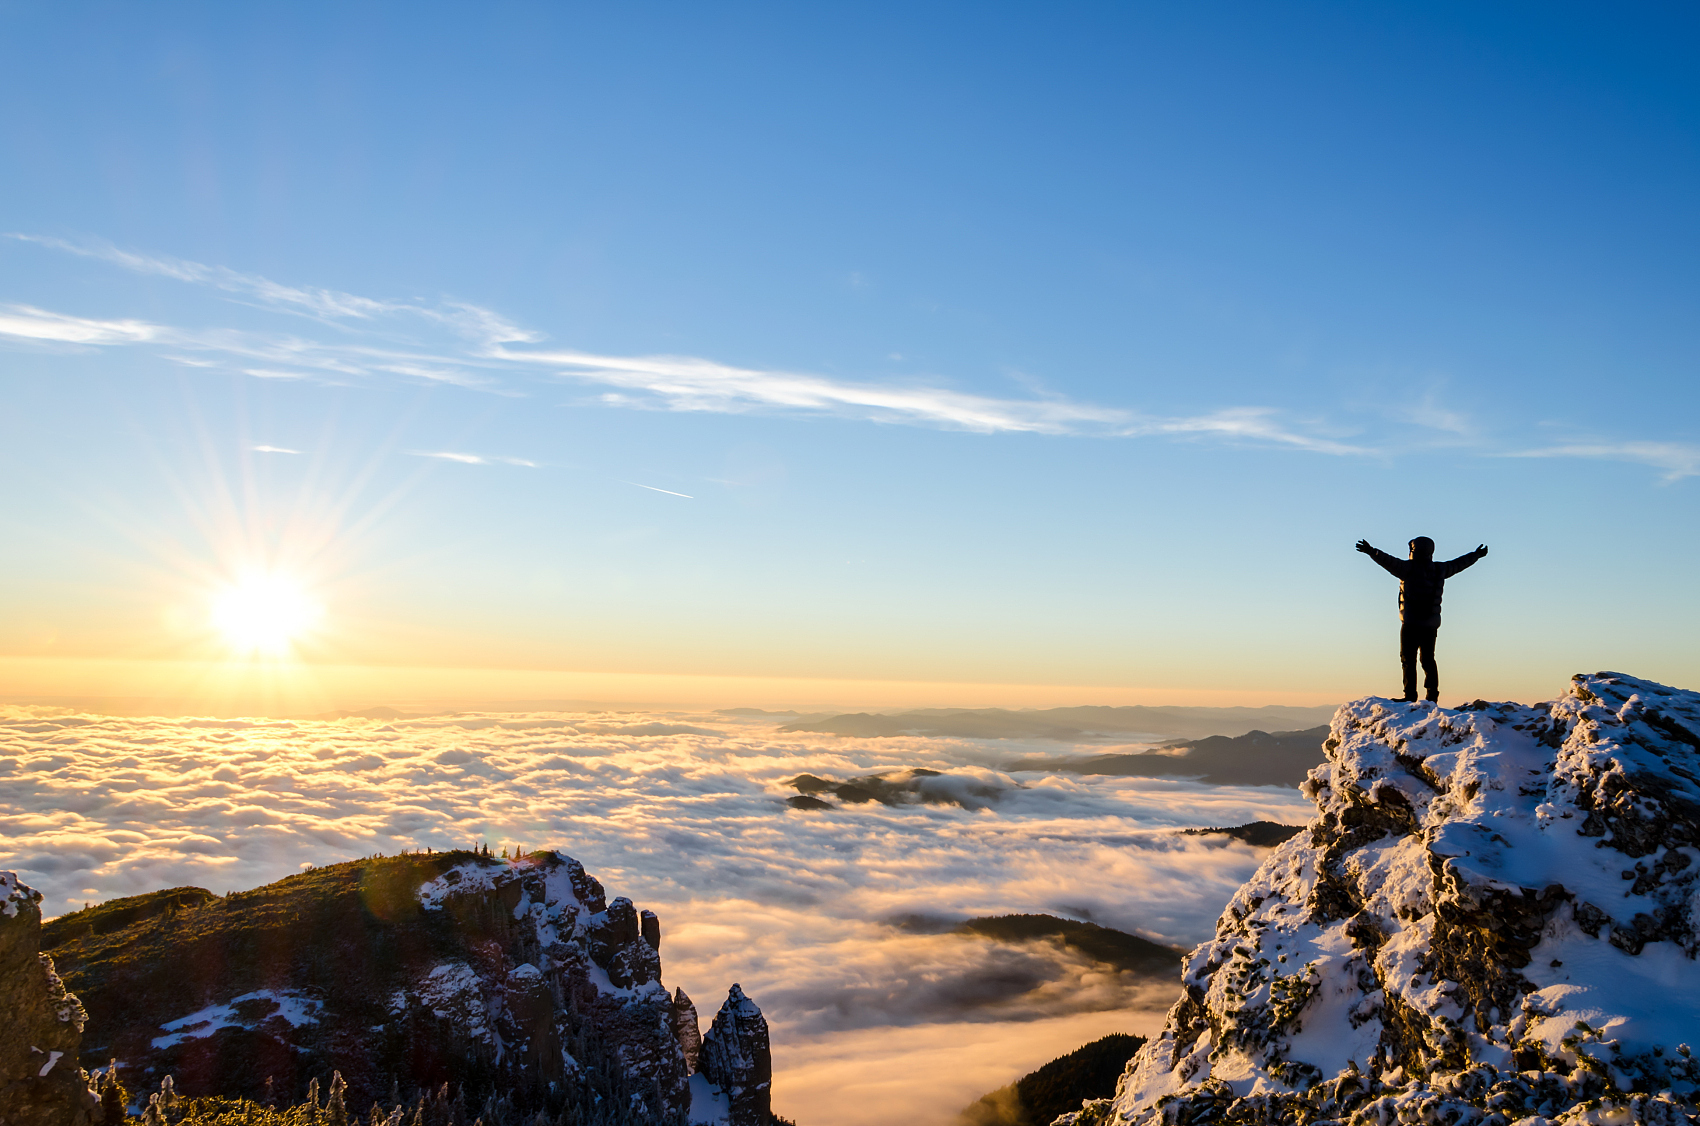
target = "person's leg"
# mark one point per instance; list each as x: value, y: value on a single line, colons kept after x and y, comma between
x: 1431, y: 671
x: 1409, y: 635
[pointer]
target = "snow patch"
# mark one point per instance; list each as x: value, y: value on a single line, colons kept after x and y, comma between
x: 14, y: 891
x: 247, y: 1011
x: 709, y: 1104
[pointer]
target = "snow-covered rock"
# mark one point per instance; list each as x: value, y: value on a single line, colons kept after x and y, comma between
x: 737, y: 1062
x: 1494, y: 919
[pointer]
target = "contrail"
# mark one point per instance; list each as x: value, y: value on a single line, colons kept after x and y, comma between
x: 669, y: 492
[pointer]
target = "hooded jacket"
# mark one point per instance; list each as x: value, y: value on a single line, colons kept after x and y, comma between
x: 1422, y: 581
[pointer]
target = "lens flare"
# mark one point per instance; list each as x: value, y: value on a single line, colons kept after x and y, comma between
x: 264, y: 614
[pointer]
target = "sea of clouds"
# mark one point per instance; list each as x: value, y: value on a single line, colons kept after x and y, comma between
x: 837, y: 922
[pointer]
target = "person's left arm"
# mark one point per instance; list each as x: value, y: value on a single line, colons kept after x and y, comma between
x: 1452, y: 567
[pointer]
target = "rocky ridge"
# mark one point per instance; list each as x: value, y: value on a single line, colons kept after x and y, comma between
x: 1494, y: 919
x: 41, y: 1083
x: 516, y: 980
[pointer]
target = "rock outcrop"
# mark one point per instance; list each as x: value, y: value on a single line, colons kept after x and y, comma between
x: 737, y: 1061
x: 1494, y: 919
x: 41, y: 1079
x: 687, y: 1028
x: 505, y: 979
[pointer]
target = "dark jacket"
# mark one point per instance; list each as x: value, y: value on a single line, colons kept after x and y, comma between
x: 1421, y: 582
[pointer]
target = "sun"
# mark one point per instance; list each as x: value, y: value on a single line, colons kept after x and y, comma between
x: 264, y: 614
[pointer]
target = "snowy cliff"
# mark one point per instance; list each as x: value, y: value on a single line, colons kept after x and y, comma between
x: 1493, y: 919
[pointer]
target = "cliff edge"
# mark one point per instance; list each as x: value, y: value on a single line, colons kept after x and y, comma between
x: 1493, y: 919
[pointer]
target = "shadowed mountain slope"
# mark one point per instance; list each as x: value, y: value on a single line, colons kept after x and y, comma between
x: 1089, y: 1072
x: 1103, y: 944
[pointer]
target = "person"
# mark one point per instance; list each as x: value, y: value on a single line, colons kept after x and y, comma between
x: 1421, y: 581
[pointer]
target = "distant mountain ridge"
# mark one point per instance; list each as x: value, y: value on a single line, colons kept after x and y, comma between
x: 1257, y: 758
x: 1132, y: 723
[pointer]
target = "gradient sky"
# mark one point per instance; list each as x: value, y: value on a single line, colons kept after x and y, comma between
x: 1026, y: 354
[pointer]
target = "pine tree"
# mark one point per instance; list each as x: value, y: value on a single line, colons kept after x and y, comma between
x: 114, y: 1099
x: 335, y: 1113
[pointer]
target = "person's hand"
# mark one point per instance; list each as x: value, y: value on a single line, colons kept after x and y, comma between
x: 1363, y: 546
x: 1481, y: 550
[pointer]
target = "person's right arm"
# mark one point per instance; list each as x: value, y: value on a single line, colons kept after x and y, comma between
x: 1394, y: 567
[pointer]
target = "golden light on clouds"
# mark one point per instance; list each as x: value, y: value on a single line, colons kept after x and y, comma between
x: 264, y: 614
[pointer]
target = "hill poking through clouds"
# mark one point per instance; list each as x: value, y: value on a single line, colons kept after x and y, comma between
x: 1257, y: 758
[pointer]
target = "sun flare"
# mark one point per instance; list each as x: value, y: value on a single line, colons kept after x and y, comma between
x: 264, y: 614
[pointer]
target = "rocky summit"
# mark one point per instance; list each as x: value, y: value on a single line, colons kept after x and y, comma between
x: 1493, y: 919
x: 510, y: 980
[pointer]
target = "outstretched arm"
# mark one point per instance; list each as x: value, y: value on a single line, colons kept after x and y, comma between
x: 1454, y: 566
x: 1394, y: 567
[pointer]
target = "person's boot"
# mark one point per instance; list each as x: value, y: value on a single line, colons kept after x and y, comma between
x: 1410, y: 695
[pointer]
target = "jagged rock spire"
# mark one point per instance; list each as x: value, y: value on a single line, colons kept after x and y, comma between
x: 687, y: 1029
x: 737, y: 1059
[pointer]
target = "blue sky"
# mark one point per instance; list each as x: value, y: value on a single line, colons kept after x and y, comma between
x: 1046, y: 345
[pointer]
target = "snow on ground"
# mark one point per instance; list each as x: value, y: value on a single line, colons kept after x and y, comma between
x: 246, y: 1011
x: 829, y: 919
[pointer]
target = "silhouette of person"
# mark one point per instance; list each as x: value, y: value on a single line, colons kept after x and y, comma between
x: 1421, y: 581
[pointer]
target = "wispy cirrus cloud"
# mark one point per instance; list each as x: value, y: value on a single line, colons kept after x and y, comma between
x: 687, y: 383
x: 323, y: 304
x: 26, y: 322
x: 479, y: 349
x: 1675, y: 459
x: 459, y: 344
x: 472, y: 459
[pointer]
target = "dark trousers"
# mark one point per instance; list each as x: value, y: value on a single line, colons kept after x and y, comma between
x: 1418, y: 638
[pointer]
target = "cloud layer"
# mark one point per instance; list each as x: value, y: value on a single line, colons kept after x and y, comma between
x: 812, y: 912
